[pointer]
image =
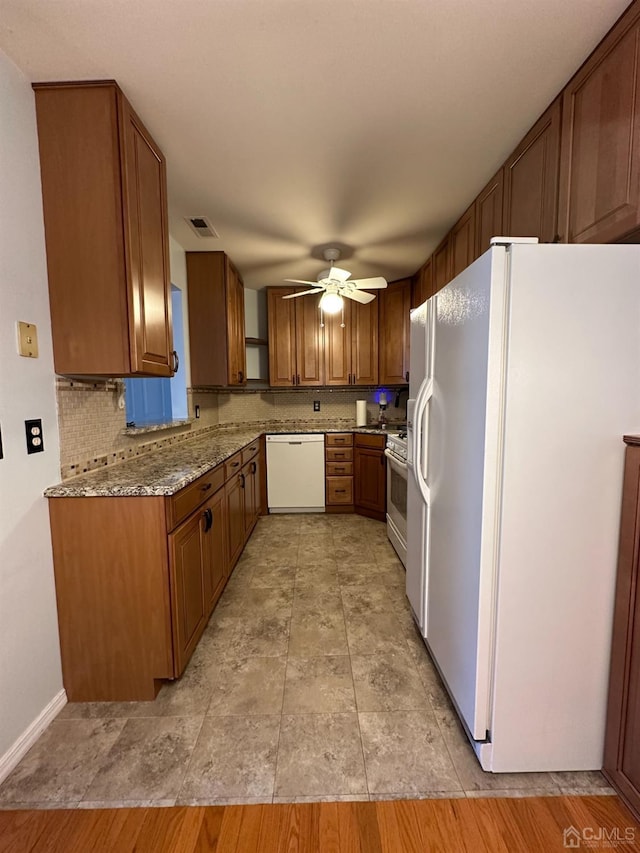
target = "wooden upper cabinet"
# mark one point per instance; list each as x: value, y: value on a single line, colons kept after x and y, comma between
x: 295, y: 340
x: 600, y: 167
x: 395, y: 323
x: 364, y: 342
x: 216, y: 320
x: 530, y: 204
x: 442, y: 264
x: 422, y: 287
x: 351, y: 345
x: 282, y: 336
x: 489, y: 213
x: 309, y: 369
x: 463, y: 242
x: 105, y: 216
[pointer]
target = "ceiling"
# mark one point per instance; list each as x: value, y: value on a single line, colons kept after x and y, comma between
x: 296, y: 123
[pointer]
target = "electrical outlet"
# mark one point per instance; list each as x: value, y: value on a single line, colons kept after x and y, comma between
x: 196, y: 410
x: 316, y: 405
x: 35, y: 440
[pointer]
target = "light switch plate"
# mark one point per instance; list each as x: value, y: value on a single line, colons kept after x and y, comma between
x: 27, y: 339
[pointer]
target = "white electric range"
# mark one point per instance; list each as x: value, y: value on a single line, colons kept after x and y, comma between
x: 396, y: 453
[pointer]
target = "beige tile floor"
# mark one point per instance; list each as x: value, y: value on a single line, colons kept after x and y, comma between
x: 309, y: 683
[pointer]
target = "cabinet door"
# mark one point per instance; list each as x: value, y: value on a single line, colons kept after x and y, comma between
x: 600, y: 171
x: 147, y: 249
x: 248, y: 485
x: 395, y: 304
x: 189, y: 610
x: 282, y: 336
x: 531, y: 181
x: 235, y: 514
x: 364, y: 342
x: 423, y: 284
x: 235, y: 327
x: 463, y: 242
x: 337, y: 346
x: 622, y: 736
x: 442, y: 265
x: 215, y: 570
x: 370, y: 479
x: 489, y: 213
x: 309, y: 360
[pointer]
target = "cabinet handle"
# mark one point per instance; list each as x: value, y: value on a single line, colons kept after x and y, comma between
x: 234, y: 464
x: 242, y: 478
x: 557, y: 239
x: 293, y: 379
x: 340, y: 469
x: 340, y: 491
x: 254, y: 467
x: 240, y: 376
x: 208, y: 520
x: 206, y: 487
x: 176, y: 361
x: 298, y: 379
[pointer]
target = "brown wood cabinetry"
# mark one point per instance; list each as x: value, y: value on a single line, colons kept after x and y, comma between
x: 622, y: 739
x: 295, y: 340
x: 105, y: 215
x: 463, y: 242
x: 132, y: 606
x: 216, y: 320
x: 489, y: 213
x: 422, y: 288
x: 395, y: 326
x: 530, y: 206
x: 339, y: 484
x: 600, y: 167
x: 370, y: 475
x: 442, y: 265
x: 351, y: 345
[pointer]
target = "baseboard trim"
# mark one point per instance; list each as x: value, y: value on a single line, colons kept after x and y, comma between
x: 30, y: 735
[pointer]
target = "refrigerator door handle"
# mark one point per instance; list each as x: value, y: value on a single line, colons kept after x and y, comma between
x: 421, y: 444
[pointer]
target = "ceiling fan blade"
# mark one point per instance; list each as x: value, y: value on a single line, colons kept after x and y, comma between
x: 303, y: 293
x: 301, y: 281
x: 337, y: 273
x: 369, y: 283
x: 357, y: 296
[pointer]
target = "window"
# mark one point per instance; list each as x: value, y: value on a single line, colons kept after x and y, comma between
x: 159, y: 400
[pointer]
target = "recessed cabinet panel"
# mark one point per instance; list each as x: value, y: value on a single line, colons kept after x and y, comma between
x: 489, y: 214
x: 600, y: 180
x: 463, y: 242
x: 395, y: 323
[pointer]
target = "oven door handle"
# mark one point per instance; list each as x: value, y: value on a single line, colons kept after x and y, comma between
x: 400, y: 467
x: 421, y: 438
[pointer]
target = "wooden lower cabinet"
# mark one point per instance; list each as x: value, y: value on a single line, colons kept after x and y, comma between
x: 338, y: 484
x: 622, y: 737
x: 138, y: 577
x: 370, y: 476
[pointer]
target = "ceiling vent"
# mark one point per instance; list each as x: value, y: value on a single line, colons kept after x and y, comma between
x: 202, y: 226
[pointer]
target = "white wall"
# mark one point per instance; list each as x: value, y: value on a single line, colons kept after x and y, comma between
x: 30, y: 675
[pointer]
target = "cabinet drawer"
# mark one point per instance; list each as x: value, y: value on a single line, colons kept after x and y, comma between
x: 337, y: 454
x: 377, y: 442
x: 232, y: 465
x: 339, y: 439
x: 337, y: 469
x: 250, y: 451
x: 184, y: 502
x: 339, y: 490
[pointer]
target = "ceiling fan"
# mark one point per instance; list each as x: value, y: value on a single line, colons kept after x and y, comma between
x: 336, y: 284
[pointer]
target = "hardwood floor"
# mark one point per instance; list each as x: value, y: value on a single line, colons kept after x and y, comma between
x: 527, y: 825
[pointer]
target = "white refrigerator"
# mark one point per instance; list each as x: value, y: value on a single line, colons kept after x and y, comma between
x: 525, y: 374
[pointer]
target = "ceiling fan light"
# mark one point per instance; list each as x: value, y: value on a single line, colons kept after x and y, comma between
x: 331, y: 303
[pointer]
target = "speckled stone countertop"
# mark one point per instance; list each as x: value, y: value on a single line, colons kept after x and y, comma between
x: 166, y: 471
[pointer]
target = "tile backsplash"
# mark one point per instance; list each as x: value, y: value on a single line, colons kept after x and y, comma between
x: 92, y: 423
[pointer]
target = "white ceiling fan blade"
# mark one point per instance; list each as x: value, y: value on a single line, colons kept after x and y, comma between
x: 338, y: 274
x: 301, y: 281
x: 303, y: 293
x: 357, y: 296
x: 369, y: 283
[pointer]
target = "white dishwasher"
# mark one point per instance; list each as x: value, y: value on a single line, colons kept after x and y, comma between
x: 295, y: 473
